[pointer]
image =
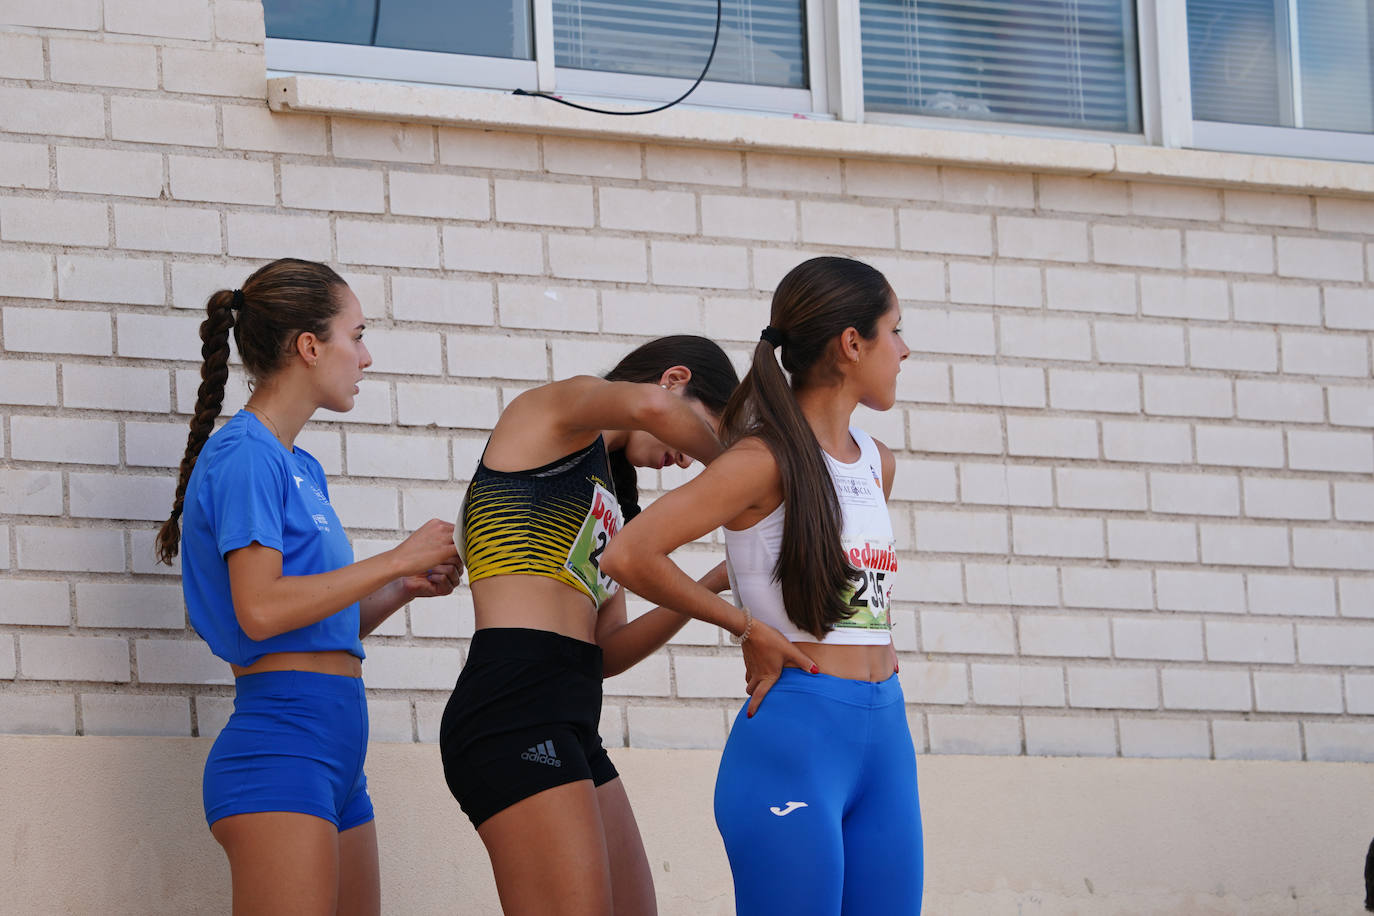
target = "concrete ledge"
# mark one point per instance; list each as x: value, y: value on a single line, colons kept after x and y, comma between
x: 487, y: 109
x: 113, y: 825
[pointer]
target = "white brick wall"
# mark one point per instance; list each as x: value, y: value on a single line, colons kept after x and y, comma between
x: 1133, y: 443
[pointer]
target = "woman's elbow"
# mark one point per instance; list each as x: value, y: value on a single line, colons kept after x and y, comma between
x: 615, y: 560
x: 255, y: 622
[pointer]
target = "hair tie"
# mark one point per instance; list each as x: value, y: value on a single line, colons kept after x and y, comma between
x: 774, y: 337
x: 237, y: 304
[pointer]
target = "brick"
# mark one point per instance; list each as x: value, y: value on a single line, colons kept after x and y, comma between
x: 1237, y: 446
x: 541, y: 306
x: 154, y: 337
x: 230, y: 72
x: 325, y: 188
x: 1333, y: 548
x: 139, y: 605
x: 947, y: 431
x: 1108, y: 588
x: 1165, y: 738
x: 653, y: 678
x: 675, y: 727
x: 108, y: 171
x: 1339, y: 741
x: 100, y: 63
x: 968, y: 633
x: 239, y: 20
x: 597, y: 158
x: 762, y: 218
x: 1188, y: 396
x: 389, y: 720
x: 267, y: 235
x: 1325, y: 354
x: 38, y: 715
x: 162, y: 228
x: 192, y: 284
x: 47, y: 330
x: 1003, y: 386
x: 1048, y: 536
x: 388, y: 141
x: 1290, y: 595
x: 1192, y: 688
x: 1194, y: 494
x: 441, y: 301
x: 1018, y: 685
x: 980, y: 187
x: 1359, y: 694
x: 365, y: 506
x: 1004, y: 485
x: 1350, y: 406
x: 1287, y: 692
x: 920, y: 382
x: 181, y: 661
x: 1357, y: 597
x: 940, y: 331
x: 1074, y: 289
x: 68, y: 549
x: 74, y: 658
x: 1144, y: 344
x: 651, y: 313
x: 498, y: 356
x: 981, y: 734
x: 150, y: 120
x: 1042, y: 239
x: 39, y: 111
x: 447, y: 406
x: 1274, y: 303
x: 1170, y: 638
x: 1083, y: 195
x: 1245, y: 545
x: 1011, y: 285
x: 1230, y: 348
x: 387, y: 244
x: 1069, y: 737
x: 1344, y: 215
x: 1335, y: 645
x: 406, y: 352
x: 163, y: 18
x: 1229, y: 251
x: 64, y: 440
x: 576, y: 357
x: 1348, y: 308
x: 1320, y: 259
x: 826, y: 223
x: 374, y: 455
x: 692, y: 165
x: 944, y: 683
x: 106, y: 714
x: 1268, y: 209
x: 1279, y: 498
x: 711, y: 266
x: 1013, y: 584
x: 4, y: 546
x: 27, y: 382
x: 116, y: 388
x: 253, y: 127
x: 1045, y: 338
x: 793, y: 173
x: 1183, y: 297
x: 926, y: 481
x: 1113, y: 688
x: 488, y: 149
x: 1161, y: 542
x: 1175, y: 201
x: 1330, y: 451
x: 56, y: 14
x: 1137, y: 247
x: 932, y: 580
x: 544, y: 203
x: 653, y: 211
x: 449, y: 617
x: 872, y: 178
x: 1064, y: 636
x: 120, y: 496
x: 1051, y: 437
x: 1265, y: 643
x: 961, y: 532
x: 23, y: 165
x: 1257, y: 740
x: 708, y: 676
x: 53, y: 221
x: 1354, y: 501
x: 946, y: 233
x: 411, y: 667
x: 1081, y: 488
x: 1108, y: 392
x: 35, y: 602
x: 500, y: 250
x: 1294, y: 402
x: 1167, y: 443
x: 585, y: 257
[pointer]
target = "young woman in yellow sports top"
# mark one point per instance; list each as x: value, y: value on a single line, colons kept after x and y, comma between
x: 519, y: 736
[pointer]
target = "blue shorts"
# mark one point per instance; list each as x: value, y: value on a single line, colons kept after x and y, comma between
x: 295, y: 742
x: 816, y: 801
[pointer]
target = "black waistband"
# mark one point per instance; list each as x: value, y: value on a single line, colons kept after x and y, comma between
x: 536, y: 646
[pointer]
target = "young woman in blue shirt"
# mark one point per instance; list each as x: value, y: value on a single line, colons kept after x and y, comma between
x: 271, y: 584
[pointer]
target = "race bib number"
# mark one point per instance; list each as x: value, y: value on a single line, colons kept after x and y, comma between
x: 584, y: 560
x: 868, y: 598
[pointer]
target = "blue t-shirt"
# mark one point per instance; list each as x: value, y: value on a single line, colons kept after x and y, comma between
x: 247, y: 487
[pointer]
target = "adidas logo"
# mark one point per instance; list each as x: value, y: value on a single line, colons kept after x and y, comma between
x: 542, y: 752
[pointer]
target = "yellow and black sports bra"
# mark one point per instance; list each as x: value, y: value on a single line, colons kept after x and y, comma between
x: 551, y: 521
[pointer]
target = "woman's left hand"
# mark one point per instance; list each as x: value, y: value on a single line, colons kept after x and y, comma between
x: 436, y: 582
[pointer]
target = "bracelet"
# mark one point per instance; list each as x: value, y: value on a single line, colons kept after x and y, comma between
x: 748, y: 626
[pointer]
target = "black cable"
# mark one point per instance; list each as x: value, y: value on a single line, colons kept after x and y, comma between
x: 376, y: 17
x: 710, y: 57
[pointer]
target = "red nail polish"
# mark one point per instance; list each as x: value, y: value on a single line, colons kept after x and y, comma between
x: 815, y: 670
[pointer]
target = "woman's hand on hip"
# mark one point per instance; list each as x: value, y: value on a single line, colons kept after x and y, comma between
x: 766, y: 653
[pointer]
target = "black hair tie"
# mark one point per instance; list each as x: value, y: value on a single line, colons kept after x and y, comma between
x: 237, y: 304
x: 774, y: 337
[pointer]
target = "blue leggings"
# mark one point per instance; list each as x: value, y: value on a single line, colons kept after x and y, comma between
x: 816, y: 801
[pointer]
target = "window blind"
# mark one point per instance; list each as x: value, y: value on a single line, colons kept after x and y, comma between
x: 489, y: 29
x: 1238, y: 61
x: 1334, y: 41
x: 762, y: 42
x: 1069, y: 63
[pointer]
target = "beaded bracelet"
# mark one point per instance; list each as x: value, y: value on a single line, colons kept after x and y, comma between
x: 748, y: 625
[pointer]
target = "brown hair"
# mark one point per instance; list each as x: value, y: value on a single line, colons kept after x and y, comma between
x: 278, y: 303
x: 815, y: 303
x: 713, y: 381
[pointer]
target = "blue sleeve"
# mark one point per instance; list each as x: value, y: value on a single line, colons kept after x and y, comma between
x: 248, y: 496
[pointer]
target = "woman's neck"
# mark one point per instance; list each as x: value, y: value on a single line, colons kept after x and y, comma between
x: 829, y: 410
x: 283, y: 413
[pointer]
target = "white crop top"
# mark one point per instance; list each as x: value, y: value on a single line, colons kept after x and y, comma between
x: 752, y: 553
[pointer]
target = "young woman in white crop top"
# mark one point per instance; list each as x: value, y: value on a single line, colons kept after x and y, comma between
x: 816, y: 798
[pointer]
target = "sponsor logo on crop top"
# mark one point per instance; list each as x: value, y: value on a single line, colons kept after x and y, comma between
x: 584, y: 559
x: 869, y: 598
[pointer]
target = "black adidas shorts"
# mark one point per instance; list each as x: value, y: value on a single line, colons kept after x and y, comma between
x: 523, y: 718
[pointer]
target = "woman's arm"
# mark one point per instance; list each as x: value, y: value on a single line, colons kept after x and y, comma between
x: 624, y: 645
x: 638, y: 558
x: 268, y: 603
x: 396, y: 594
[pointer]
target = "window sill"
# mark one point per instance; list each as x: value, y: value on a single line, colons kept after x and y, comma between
x: 687, y: 126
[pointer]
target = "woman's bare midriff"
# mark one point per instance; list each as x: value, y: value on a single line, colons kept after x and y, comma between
x: 856, y: 663
x: 534, y: 603
x: 344, y: 664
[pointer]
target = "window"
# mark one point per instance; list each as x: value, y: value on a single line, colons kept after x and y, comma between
x: 1061, y: 63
